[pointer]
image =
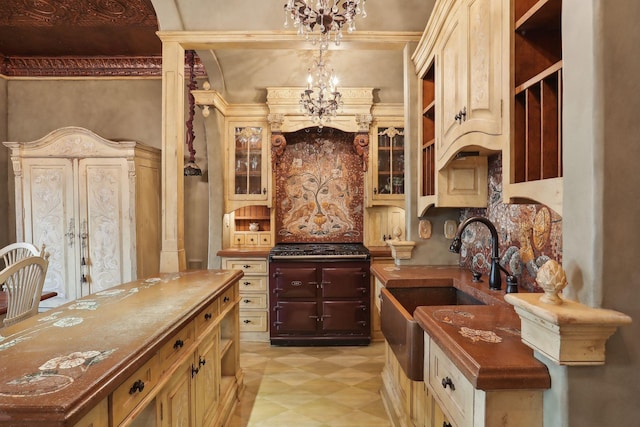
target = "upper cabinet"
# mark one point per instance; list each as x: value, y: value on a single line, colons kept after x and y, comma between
x: 472, y: 77
x: 248, y: 164
x: 461, y: 64
x: 532, y: 164
x: 387, y: 165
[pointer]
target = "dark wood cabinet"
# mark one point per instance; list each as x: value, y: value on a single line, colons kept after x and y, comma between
x: 320, y: 302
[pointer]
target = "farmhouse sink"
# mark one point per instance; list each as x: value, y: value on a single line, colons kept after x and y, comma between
x: 402, y: 332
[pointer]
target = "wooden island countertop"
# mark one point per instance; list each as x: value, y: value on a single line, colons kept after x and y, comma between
x: 58, y: 365
x: 483, y: 341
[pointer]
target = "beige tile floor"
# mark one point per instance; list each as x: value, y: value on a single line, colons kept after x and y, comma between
x: 311, y: 386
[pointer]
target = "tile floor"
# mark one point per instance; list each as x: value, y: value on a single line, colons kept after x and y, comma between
x: 311, y: 386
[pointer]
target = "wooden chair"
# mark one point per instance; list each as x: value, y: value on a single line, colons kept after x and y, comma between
x: 23, y: 282
x: 17, y: 251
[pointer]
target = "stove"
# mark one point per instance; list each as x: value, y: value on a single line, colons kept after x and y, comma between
x: 319, y: 294
x: 312, y: 251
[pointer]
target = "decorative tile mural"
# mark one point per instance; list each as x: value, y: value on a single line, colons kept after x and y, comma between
x: 319, y: 185
x: 529, y: 234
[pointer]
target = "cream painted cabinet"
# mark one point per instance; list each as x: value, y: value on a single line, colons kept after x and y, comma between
x: 254, y: 297
x: 380, y: 223
x: 473, y: 78
x: 248, y: 164
x: 387, y: 170
x: 94, y: 203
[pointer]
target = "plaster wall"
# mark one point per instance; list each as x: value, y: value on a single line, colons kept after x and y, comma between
x: 120, y: 109
x: 4, y: 166
x: 601, y: 188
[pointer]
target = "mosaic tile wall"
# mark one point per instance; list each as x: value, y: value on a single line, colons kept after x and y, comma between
x: 529, y: 234
x: 319, y: 188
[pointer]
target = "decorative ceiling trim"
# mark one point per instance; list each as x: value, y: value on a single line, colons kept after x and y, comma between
x: 94, y: 66
x: 46, y: 13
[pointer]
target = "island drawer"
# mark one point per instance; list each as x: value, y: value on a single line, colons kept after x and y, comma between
x: 179, y: 344
x: 207, y: 316
x: 452, y: 389
x: 227, y: 298
x: 131, y: 392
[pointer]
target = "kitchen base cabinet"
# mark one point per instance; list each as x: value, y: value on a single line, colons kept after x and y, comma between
x: 254, y: 297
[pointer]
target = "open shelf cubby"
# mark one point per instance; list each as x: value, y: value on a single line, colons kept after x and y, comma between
x: 428, y: 133
x: 537, y: 144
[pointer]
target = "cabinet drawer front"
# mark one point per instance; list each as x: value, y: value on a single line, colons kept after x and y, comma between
x: 227, y: 299
x: 178, y: 346
x: 253, y: 301
x: 457, y: 396
x: 253, y: 321
x: 134, y: 389
x: 207, y: 316
x: 253, y: 284
x: 239, y: 239
x: 249, y: 266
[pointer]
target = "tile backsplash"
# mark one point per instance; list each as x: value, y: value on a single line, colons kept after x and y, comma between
x: 529, y: 234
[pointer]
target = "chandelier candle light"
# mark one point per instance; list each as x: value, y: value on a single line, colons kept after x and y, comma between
x: 321, y: 100
x: 328, y: 16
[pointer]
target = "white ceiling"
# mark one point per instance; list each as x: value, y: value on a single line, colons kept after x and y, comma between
x: 242, y: 70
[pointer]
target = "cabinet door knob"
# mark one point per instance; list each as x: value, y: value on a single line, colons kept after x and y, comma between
x: 446, y: 381
x: 375, y: 190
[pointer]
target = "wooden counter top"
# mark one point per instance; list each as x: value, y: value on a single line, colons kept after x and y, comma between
x: 508, y: 364
x: 59, y: 364
x: 484, y: 343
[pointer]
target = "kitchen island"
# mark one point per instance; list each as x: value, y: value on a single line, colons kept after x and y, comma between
x: 476, y: 369
x: 158, y: 351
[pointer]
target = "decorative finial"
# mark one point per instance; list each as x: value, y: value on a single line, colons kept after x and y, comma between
x: 552, y: 279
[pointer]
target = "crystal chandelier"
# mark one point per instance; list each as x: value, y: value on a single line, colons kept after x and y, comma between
x: 321, y: 100
x: 327, y: 16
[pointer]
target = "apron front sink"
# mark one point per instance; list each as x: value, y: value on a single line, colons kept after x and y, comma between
x: 403, y: 334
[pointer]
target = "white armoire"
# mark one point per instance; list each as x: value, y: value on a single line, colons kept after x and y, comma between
x: 94, y: 203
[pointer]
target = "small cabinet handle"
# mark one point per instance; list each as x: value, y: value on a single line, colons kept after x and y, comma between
x: 208, y: 316
x: 194, y: 371
x: 246, y: 283
x: 246, y: 266
x: 375, y: 190
x: 202, y: 361
x: 247, y: 301
x: 178, y: 344
x: 446, y: 424
x: 264, y: 191
x: 225, y: 299
x: 446, y: 381
x: 246, y: 321
x: 137, y: 386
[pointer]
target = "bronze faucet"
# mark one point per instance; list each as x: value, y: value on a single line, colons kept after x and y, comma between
x: 495, y: 281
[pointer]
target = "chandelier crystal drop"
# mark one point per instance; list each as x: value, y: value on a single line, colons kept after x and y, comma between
x: 321, y: 100
x: 322, y: 20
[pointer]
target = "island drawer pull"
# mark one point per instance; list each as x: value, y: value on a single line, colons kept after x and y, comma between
x: 137, y: 386
x: 178, y: 344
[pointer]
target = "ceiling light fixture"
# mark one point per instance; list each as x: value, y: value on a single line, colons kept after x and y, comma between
x: 191, y: 168
x: 321, y: 100
x: 327, y: 16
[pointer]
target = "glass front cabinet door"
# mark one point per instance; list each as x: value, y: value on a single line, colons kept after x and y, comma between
x: 248, y: 168
x: 387, y: 185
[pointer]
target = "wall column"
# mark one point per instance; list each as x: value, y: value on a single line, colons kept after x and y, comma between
x: 172, y: 257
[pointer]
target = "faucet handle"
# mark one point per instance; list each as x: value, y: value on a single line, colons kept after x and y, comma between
x: 512, y: 284
x: 477, y: 276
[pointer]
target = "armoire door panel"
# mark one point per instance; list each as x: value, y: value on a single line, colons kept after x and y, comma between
x: 49, y: 218
x: 105, y: 228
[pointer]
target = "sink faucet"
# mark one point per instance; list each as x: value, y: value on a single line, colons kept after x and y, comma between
x: 495, y: 281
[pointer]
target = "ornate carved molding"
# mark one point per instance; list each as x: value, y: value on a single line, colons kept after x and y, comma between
x: 46, y: 13
x: 361, y: 144
x: 92, y: 66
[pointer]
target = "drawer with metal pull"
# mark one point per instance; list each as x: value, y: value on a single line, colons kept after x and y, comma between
x: 131, y: 392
